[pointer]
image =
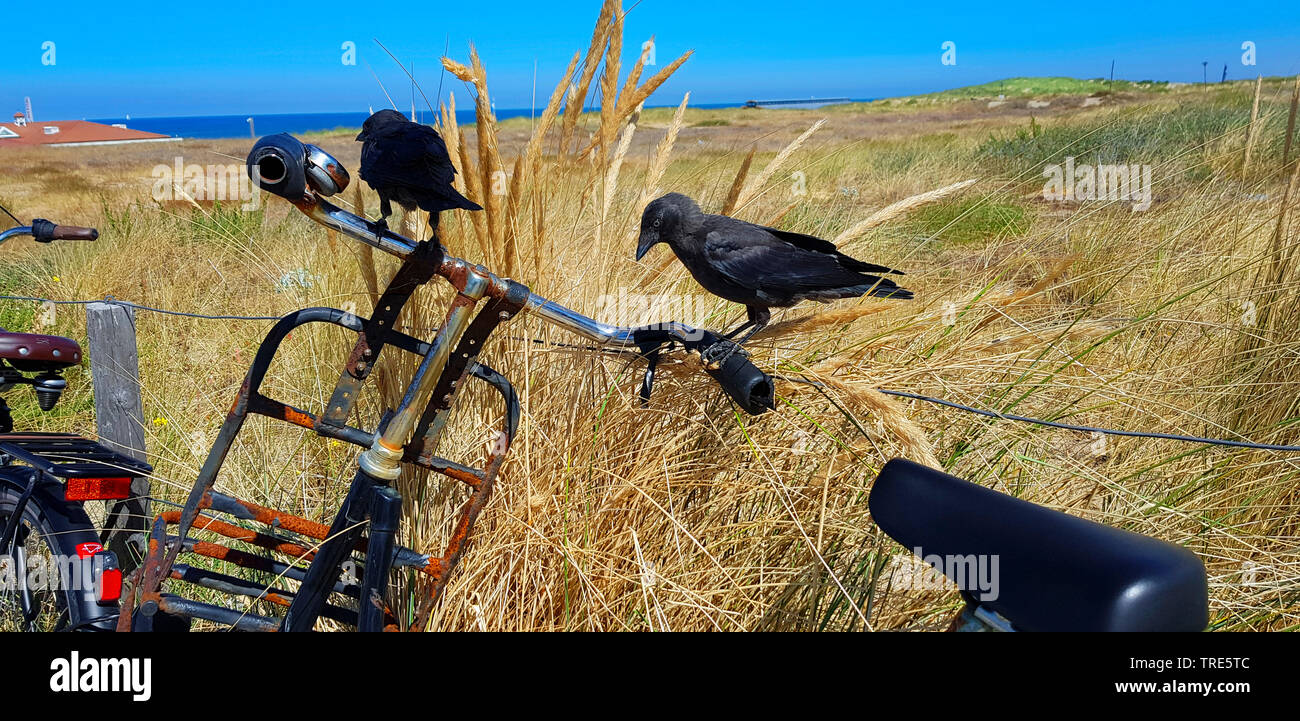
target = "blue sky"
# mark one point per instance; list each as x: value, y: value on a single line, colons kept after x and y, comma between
x: 234, y: 57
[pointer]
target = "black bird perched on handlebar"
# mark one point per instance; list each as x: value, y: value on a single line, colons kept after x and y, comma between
x: 407, y: 162
x: 758, y: 266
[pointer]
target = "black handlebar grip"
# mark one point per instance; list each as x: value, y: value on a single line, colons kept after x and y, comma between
x: 277, y: 163
x: 746, y: 384
x: 44, y: 231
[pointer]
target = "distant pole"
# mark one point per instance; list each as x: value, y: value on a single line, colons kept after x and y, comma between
x: 1205, y: 64
x: 119, y: 415
x: 1224, y: 79
x: 1111, y: 87
x: 251, y: 134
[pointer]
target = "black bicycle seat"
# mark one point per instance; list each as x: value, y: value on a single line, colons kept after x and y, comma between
x: 1053, y: 572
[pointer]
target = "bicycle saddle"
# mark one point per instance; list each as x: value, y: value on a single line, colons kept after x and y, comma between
x: 28, y: 352
x: 1053, y: 571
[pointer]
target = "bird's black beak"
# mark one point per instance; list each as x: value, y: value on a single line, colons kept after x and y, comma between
x: 361, y: 136
x: 648, y: 240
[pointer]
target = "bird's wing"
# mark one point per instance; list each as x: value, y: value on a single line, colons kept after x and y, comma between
x: 751, y: 257
x: 436, y: 157
x: 799, y: 240
x: 411, y: 155
x: 809, y: 242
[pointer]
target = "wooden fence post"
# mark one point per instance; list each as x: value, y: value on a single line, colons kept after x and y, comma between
x: 115, y: 370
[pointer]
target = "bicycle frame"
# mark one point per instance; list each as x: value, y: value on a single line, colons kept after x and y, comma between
x: 407, y: 435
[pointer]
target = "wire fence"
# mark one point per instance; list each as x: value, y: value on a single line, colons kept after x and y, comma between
x: 984, y: 412
x: 128, y: 304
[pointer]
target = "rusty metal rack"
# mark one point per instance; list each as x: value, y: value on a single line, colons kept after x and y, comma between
x: 304, y: 540
x: 66, y: 455
x: 368, y: 520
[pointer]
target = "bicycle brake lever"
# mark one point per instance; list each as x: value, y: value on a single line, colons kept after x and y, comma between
x: 725, y: 360
x: 648, y: 380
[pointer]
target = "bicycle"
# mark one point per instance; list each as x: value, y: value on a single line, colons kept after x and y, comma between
x: 1053, y: 572
x: 55, y: 572
x: 1058, y: 572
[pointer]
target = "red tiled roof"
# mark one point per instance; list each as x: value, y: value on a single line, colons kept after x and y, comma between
x: 70, y: 132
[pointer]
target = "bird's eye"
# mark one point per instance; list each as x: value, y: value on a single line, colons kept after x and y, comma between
x: 656, y: 222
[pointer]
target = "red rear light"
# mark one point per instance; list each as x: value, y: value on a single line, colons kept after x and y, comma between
x: 86, y: 550
x: 110, y: 585
x: 97, y: 489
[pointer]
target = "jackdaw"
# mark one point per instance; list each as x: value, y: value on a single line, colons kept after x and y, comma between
x: 758, y: 266
x: 407, y: 162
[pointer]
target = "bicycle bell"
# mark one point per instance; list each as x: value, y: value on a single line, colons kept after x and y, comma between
x: 283, y: 165
x: 325, y: 174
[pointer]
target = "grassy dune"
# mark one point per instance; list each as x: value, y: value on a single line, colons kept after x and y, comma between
x: 688, y: 515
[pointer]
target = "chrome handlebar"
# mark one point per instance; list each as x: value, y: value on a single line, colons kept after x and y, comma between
x: 604, y: 334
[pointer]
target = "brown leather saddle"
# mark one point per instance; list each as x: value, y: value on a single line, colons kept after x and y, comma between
x: 29, y: 353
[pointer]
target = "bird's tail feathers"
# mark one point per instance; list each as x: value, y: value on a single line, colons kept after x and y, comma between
x: 447, y: 201
x: 861, y: 267
x: 467, y: 204
x: 880, y: 290
x: 877, y: 287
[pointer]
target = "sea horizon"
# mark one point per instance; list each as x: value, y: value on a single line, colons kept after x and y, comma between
x: 236, y: 125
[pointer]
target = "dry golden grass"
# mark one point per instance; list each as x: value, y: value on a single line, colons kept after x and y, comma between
x: 688, y: 515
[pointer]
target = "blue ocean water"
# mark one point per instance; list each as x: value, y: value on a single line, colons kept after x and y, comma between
x: 237, y: 126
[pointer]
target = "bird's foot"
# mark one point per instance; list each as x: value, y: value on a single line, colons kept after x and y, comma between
x: 719, y: 353
x: 379, y: 226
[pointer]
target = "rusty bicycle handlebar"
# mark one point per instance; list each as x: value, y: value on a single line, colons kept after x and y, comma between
x: 356, y: 227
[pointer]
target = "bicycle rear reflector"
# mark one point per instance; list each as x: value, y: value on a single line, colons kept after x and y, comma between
x: 97, y: 489
x: 110, y: 586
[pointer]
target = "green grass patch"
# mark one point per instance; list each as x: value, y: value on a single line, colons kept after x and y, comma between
x: 16, y: 279
x: 1149, y: 135
x: 971, y: 220
x: 225, y: 224
x: 895, y: 157
x: 1027, y: 87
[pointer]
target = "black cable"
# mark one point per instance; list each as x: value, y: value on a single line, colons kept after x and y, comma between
x: 11, y: 215
x: 1068, y: 426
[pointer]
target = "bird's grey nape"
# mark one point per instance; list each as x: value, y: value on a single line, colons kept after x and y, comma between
x: 688, y: 212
